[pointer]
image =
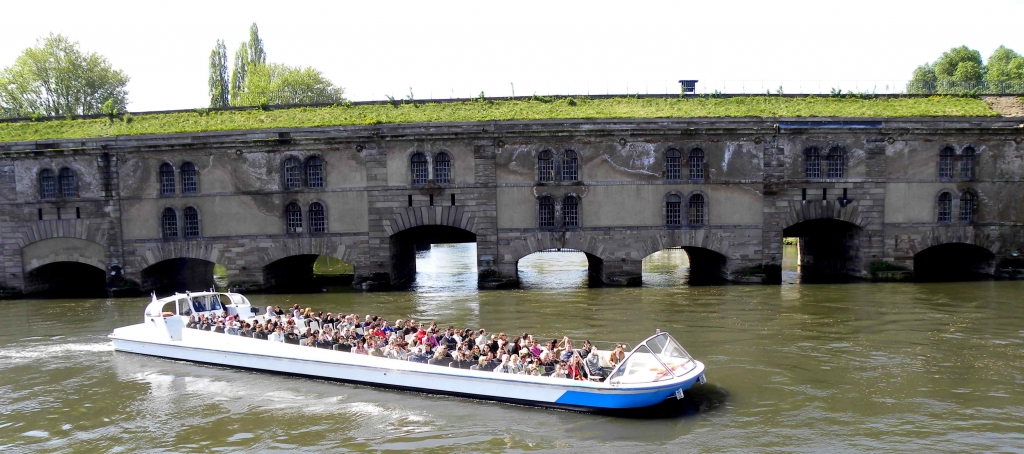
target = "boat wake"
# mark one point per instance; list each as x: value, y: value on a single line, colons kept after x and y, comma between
x: 19, y: 353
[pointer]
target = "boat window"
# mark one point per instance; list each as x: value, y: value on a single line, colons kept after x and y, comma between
x: 215, y: 303
x: 671, y: 353
x: 642, y: 366
x: 183, y: 307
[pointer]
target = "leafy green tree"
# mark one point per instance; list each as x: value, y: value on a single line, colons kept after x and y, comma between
x: 239, y: 72
x: 959, y: 70
x: 256, y: 54
x: 219, y: 88
x: 923, y: 81
x: 276, y: 84
x: 55, y: 78
x: 1004, y: 72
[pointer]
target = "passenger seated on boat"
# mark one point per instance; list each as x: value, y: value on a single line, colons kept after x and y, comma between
x: 205, y: 323
x: 560, y: 371
x: 535, y: 349
x: 360, y: 348
x: 197, y: 305
x: 515, y: 366
x: 277, y: 335
x: 504, y: 367
x: 419, y: 355
x: 593, y: 365
x: 219, y: 327
x: 193, y: 322
x: 617, y: 356
x: 575, y: 368
x: 481, y: 339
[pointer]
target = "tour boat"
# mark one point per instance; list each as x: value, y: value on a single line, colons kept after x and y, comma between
x: 655, y: 370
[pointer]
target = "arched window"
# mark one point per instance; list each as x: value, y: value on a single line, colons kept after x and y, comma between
x: 191, y: 216
x: 546, y: 214
x: 293, y: 218
x: 673, y: 165
x: 696, y: 164
x: 836, y: 163
x: 419, y: 168
x: 188, y: 178
x: 47, y: 187
x: 292, y: 173
x: 968, y: 202
x: 673, y: 210
x: 66, y: 183
x: 169, y: 222
x: 545, y: 167
x: 570, y: 211
x: 167, y: 179
x: 945, y: 207
x: 946, y: 157
x: 570, y: 166
x: 698, y: 215
x: 317, y: 220
x: 315, y: 172
x: 812, y: 161
x: 967, y: 163
x: 442, y: 168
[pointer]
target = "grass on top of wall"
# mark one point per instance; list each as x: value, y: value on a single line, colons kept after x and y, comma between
x: 528, y: 109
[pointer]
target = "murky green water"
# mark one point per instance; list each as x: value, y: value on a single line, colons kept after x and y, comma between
x: 856, y: 367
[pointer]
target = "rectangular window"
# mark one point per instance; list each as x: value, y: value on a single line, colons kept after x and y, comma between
x: 40, y: 214
x: 191, y: 226
x: 696, y: 166
x: 547, y: 213
x: 58, y: 213
x: 431, y: 199
x: 410, y: 199
x: 946, y: 166
x: 419, y: 172
x: 547, y: 170
x: 824, y: 193
x: 835, y: 166
x: 673, y: 168
x: 78, y: 213
x: 453, y: 199
x: 813, y: 166
x: 674, y: 213
x: 966, y: 166
x: 167, y: 180
x: 803, y: 194
x: 570, y: 213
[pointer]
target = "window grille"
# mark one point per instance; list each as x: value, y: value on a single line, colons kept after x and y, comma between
x: 570, y: 166
x: 674, y: 210
x: 170, y: 223
x: 547, y: 212
x: 46, y: 184
x: 188, y: 178
x: 293, y: 214
x: 191, y: 216
x: 697, y: 164
x: 442, y: 168
x: 545, y: 167
x: 812, y: 158
x: 946, y: 157
x: 570, y: 211
x: 945, y: 207
x: 836, y: 162
x: 967, y: 202
x: 673, y: 165
x: 967, y: 163
x: 419, y: 169
x: 167, y: 179
x: 315, y: 172
x: 697, y: 212
x: 292, y: 175
x: 317, y: 221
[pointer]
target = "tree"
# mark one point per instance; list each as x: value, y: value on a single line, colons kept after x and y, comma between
x: 219, y: 88
x: 56, y: 78
x: 959, y: 70
x: 276, y: 84
x: 923, y: 81
x: 256, y: 54
x: 239, y: 72
x: 1005, y: 71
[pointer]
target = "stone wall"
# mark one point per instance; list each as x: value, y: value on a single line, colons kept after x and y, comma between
x: 753, y: 178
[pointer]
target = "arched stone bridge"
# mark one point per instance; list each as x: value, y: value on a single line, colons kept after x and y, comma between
x: 161, y: 211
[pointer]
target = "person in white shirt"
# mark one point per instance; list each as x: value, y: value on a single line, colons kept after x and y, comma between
x: 504, y: 367
x: 277, y: 335
x: 481, y: 340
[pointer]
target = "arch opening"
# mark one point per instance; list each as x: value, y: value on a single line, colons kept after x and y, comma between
x: 308, y: 273
x: 180, y: 275
x: 66, y: 280
x: 686, y: 265
x: 406, y: 243
x: 954, y: 262
x: 559, y: 268
x: 826, y: 250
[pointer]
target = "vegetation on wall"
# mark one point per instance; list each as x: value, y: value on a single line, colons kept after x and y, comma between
x: 536, y: 108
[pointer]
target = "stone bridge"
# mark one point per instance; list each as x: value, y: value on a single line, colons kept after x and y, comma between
x: 941, y: 198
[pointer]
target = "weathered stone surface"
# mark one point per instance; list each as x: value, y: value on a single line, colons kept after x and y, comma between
x: 753, y: 178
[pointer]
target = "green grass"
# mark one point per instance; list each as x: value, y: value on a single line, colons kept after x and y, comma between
x: 541, y: 109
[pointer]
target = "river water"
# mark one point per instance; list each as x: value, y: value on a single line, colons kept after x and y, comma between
x: 797, y: 367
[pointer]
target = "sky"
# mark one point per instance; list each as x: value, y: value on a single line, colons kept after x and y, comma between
x: 443, y: 49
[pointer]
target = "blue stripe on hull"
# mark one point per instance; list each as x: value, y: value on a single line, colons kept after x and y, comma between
x: 623, y: 400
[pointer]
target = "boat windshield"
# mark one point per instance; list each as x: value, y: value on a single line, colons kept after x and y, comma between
x: 659, y: 358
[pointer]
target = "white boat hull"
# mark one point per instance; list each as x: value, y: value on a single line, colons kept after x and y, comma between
x: 261, y: 355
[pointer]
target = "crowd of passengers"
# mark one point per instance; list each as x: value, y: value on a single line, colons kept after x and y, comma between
x: 409, y: 340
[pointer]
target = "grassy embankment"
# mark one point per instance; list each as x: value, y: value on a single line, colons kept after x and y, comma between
x: 534, y: 109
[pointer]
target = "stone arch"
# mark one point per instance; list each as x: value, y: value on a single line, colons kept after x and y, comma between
x: 807, y: 210
x: 62, y: 249
x: 409, y: 217
x: 317, y: 245
x: 948, y: 234
x: 954, y: 261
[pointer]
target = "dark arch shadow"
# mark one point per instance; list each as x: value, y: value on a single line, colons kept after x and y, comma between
x: 703, y: 267
x: 404, y: 245
x: 66, y: 280
x: 178, y: 275
x: 828, y: 249
x: 953, y: 262
x: 303, y: 274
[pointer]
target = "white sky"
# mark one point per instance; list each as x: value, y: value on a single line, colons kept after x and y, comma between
x: 445, y: 49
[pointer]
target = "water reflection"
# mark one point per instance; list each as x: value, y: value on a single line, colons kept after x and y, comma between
x: 554, y: 269
x: 666, y: 268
